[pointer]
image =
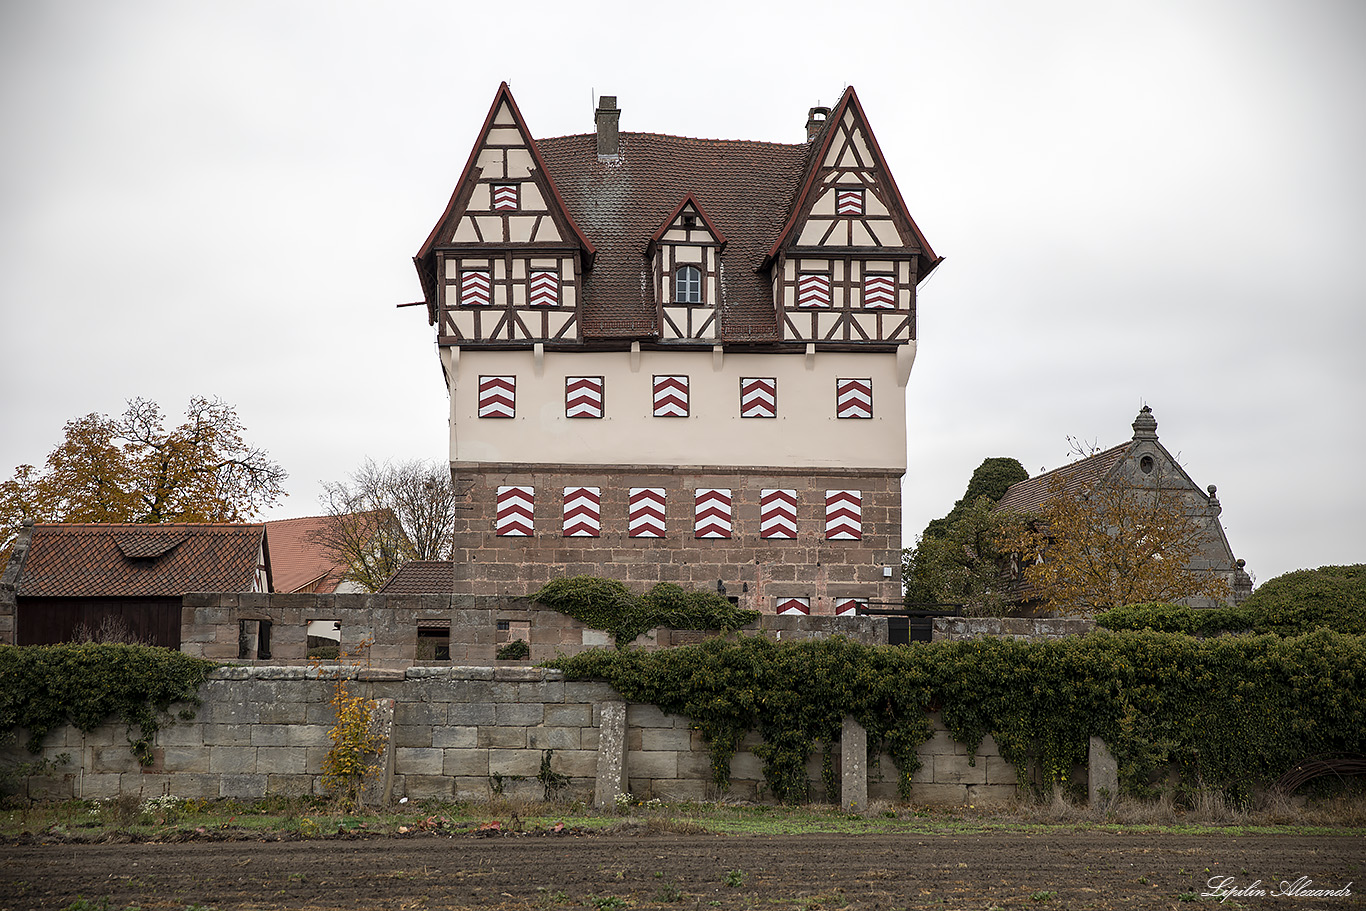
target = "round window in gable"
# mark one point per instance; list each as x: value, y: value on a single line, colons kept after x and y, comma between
x: 1145, y: 464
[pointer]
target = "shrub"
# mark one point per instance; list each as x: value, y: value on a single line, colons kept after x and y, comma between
x: 1296, y: 602
x: 516, y: 650
x: 608, y: 605
x: 1331, y: 597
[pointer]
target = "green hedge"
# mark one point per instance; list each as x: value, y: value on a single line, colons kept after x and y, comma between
x: 608, y: 605
x: 1331, y: 597
x: 45, y: 686
x: 1229, y: 713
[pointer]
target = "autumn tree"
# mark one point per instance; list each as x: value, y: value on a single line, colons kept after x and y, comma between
x: 386, y: 515
x: 1114, y: 542
x: 133, y: 469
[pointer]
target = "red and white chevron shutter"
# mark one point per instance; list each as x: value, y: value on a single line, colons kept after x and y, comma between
x: 582, y: 512
x: 793, y: 605
x: 848, y: 607
x: 583, y: 396
x: 711, y: 512
x: 516, y: 511
x: 778, y: 514
x: 849, y: 202
x: 505, y: 197
x: 813, y: 290
x: 545, y: 289
x: 645, y: 512
x: 758, y: 397
x: 853, y: 397
x: 879, y: 292
x: 476, y: 290
x: 671, y: 396
x: 844, y: 515
x: 497, y: 396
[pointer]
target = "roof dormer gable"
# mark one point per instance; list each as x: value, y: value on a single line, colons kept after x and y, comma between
x: 850, y: 200
x: 688, y: 223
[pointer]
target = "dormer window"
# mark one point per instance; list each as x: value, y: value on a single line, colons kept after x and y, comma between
x: 688, y: 285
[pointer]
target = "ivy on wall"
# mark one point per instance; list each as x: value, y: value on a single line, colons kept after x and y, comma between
x: 45, y: 686
x: 608, y: 605
x: 1229, y: 713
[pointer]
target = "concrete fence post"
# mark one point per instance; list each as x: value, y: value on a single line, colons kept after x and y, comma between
x: 854, y: 767
x: 1102, y: 773
x: 379, y: 787
x: 611, y: 780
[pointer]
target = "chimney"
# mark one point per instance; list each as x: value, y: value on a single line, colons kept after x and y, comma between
x: 607, y: 117
x: 815, y: 122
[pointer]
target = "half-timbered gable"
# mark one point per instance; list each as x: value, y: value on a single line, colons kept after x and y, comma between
x: 678, y: 359
x: 504, y: 263
x: 846, y: 265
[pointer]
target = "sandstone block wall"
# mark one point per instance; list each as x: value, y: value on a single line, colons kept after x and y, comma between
x: 212, y: 626
x: 457, y: 733
x: 959, y: 628
x: 754, y: 569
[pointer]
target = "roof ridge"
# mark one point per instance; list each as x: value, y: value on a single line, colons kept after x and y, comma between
x: 709, y: 139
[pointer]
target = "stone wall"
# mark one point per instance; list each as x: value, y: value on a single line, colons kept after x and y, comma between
x: 754, y: 569
x: 1033, y: 628
x: 457, y: 733
x: 213, y: 626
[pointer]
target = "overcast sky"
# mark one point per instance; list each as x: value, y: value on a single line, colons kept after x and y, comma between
x: 1156, y: 202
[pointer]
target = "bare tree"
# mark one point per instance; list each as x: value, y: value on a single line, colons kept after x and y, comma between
x: 386, y: 515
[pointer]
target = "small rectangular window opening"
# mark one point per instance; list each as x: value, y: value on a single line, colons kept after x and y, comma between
x: 253, y: 639
x: 433, y: 641
x: 324, y: 639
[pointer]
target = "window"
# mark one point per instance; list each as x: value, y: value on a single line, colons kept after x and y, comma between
x: 497, y: 396
x: 879, y: 292
x: 849, y: 201
x: 688, y: 285
x: 505, y: 197
x: 583, y: 396
x: 813, y: 291
x: 758, y: 397
x: 476, y: 288
x: 545, y: 288
x: 433, y: 640
x: 671, y: 396
x: 324, y: 639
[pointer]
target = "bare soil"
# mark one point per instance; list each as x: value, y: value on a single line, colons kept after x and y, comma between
x: 1056, y: 869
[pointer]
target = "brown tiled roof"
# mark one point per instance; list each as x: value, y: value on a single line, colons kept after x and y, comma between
x: 1027, y: 496
x: 102, y: 561
x: 747, y: 189
x: 296, y: 561
x: 421, y: 577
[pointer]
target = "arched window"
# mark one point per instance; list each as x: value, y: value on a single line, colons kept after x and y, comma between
x: 688, y: 285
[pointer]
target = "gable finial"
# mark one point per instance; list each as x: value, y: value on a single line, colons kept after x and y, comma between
x: 1145, y: 425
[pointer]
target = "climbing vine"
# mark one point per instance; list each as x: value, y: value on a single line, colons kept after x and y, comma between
x: 45, y: 686
x: 1228, y: 713
x: 608, y: 605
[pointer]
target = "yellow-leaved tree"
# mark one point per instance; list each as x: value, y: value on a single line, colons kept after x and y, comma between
x: 1113, y: 542
x: 133, y: 469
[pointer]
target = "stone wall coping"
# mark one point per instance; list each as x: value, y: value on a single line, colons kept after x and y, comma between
x: 427, y: 672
